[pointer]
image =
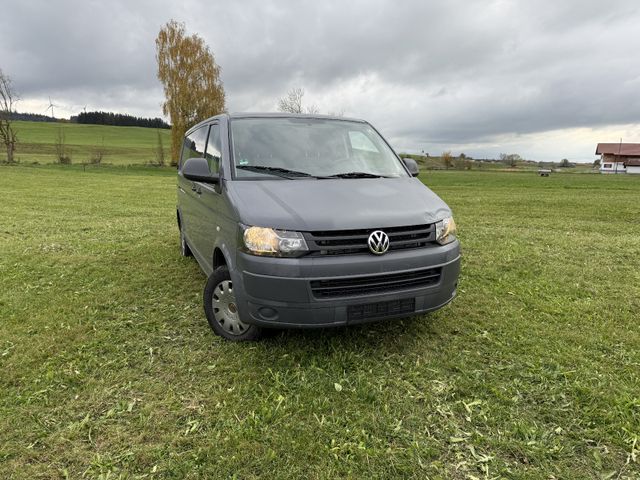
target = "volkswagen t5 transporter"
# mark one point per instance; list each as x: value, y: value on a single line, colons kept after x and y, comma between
x: 309, y: 221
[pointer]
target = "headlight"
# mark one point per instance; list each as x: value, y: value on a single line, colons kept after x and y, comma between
x: 445, y: 231
x: 275, y: 243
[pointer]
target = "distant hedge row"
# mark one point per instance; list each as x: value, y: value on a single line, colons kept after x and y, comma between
x: 118, y: 119
x: 96, y: 118
x: 31, y: 117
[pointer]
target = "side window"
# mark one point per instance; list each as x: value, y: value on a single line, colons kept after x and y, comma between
x: 193, y: 145
x: 214, y: 147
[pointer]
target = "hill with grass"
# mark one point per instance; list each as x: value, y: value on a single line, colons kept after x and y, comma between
x: 40, y: 142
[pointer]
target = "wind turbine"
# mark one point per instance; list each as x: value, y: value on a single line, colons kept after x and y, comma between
x: 50, y: 107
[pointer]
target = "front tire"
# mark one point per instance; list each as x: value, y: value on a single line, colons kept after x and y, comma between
x: 221, y: 309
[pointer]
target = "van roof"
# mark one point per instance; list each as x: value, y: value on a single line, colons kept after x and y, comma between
x: 231, y: 116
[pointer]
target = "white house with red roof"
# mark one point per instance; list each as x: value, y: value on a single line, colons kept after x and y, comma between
x: 619, y: 157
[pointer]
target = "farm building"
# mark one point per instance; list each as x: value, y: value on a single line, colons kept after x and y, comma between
x: 633, y: 165
x: 619, y: 157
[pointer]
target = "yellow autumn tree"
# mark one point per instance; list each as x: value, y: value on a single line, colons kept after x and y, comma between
x: 191, y: 80
x: 447, y: 159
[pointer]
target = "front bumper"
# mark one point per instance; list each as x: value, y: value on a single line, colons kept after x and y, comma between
x: 277, y: 292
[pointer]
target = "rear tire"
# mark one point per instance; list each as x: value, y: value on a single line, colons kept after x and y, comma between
x: 221, y: 309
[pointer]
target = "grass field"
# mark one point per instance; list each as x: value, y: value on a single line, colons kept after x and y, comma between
x: 108, y: 368
x: 120, y: 145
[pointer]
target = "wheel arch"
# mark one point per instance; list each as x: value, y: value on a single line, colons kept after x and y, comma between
x: 219, y: 258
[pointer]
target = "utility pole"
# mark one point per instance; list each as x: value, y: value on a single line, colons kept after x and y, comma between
x: 619, y: 149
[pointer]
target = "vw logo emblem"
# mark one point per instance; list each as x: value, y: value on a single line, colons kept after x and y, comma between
x: 378, y: 242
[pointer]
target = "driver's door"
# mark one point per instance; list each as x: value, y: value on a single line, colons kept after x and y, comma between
x: 207, y: 201
x: 188, y: 197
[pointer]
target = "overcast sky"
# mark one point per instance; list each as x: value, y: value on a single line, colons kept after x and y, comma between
x: 545, y: 79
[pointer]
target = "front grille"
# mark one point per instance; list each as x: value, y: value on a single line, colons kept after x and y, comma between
x: 363, y: 285
x: 381, y: 309
x: 345, y: 242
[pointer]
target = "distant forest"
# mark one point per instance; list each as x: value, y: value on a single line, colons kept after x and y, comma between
x: 32, y: 117
x: 118, y: 119
x: 97, y: 118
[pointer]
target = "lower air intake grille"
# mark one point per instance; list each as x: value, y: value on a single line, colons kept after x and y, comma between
x: 362, y: 285
x: 381, y: 309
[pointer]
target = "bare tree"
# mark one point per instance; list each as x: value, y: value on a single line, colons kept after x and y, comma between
x: 463, y: 162
x: 63, y: 155
x: 8, y: 99
x: 97, y: 154
x: 292, y: 103
x: 510, y: 159
x: 313, y: 109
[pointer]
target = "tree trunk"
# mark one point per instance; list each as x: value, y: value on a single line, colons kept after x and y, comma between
x: 176, y: 146
x: 10, y: 150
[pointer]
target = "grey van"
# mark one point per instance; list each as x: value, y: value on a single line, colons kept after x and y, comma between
x: 309, y: 221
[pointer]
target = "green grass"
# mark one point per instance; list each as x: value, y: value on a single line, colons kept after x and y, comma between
x: 121, y: 145
x: 108, y: 368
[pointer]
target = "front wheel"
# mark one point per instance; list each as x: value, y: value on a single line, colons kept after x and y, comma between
x: 222, y: 311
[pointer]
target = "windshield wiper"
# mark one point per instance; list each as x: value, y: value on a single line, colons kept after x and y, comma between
x: 290, y: 174
x: 357, y: 175
x: 279, y: 171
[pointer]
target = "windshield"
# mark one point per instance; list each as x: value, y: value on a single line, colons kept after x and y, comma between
x: 310, y: 147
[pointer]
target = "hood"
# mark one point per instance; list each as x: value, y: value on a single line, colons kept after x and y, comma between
x: 336, y: 204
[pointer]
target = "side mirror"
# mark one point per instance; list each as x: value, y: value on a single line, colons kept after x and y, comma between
x: 197, y: 170
x: 412, y: 166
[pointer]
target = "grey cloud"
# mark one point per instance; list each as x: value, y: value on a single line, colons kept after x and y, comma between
x: 427, y: 73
